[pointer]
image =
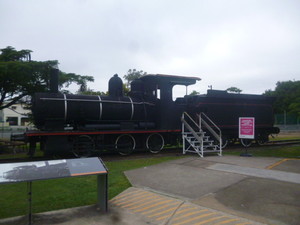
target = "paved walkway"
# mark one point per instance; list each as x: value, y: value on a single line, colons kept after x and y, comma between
x: 161, y: 209
x: 257, y: 188
x: 254, y: 172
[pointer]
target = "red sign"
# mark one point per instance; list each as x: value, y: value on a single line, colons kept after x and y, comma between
x: 246, y: 127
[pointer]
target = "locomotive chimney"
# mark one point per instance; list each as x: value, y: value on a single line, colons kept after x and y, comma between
x: 54, y: 80
x: 115, y: 86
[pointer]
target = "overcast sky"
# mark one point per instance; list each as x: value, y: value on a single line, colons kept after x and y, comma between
x: 243, y: 43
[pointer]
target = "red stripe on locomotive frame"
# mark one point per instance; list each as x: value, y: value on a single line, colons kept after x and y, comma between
x: 41, y: 133
x: 236, y: 104
x: 97, y: 132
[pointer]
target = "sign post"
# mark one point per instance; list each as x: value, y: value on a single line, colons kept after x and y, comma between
x: 246, y: 131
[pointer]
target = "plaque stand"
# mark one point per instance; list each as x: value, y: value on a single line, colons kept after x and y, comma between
x: 246, y: 154
x: 29, y: 192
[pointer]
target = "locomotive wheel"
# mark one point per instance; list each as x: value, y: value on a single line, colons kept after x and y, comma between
x: 155, y: 142
x: 83, y: 146
x: 262, y: 139
x: 246, y: 142
x: 125, y: 144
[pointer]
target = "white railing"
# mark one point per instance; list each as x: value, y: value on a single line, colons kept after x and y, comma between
x: 186, y: 125
x: 213, y: 128
x: 195, y: 140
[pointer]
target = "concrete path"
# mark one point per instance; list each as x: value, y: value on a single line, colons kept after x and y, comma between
x: 160, y: 209
x: 254, y: 172
x: 241, y: 186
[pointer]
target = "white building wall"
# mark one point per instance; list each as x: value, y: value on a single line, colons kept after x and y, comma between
x: 16, y: 114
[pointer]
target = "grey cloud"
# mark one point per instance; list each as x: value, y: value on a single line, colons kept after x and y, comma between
x: 226, y: 43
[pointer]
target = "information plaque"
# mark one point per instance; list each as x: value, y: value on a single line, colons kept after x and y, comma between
x: 246, y: 127
x: 53, y: 169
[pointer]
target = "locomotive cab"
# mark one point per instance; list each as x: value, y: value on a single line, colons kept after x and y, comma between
x: 159, y: 87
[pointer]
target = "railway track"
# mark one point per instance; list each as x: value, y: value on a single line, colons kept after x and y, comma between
x: 114, y: 156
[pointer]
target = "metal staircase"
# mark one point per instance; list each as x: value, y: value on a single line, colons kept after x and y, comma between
x: 196, y: 140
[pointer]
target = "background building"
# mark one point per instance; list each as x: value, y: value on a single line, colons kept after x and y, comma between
x: 15, y: 115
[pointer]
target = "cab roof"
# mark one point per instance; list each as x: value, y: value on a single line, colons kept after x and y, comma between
x: 172, y: 79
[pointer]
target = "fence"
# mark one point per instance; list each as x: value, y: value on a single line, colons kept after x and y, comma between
x: 287, y: 122
x: 6, y: 131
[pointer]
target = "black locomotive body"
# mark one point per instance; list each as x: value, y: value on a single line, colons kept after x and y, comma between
x: 146, y: 118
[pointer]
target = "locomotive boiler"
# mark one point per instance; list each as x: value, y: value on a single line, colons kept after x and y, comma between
x: 87, y: 112
x: 147, y: 118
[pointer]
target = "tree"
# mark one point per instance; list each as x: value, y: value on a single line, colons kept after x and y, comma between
x: 194, y: 92
x: 234, y: 90
x: 287, y: 95
x: 294, y: 107
x: 89, y: 91
x: 20, y: 76
x: 133, y: 74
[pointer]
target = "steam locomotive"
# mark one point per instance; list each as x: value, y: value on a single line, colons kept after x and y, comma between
x: 147, y: 118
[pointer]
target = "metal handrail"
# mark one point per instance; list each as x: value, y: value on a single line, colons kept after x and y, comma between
x: 211, y: 122
x: 185, y: 113
x: 191, y: 130
x: 218, y: 137
x: 198, y: 137
x: 210, y: 129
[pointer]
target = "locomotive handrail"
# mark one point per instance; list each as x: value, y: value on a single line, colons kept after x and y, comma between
x: 92, y: 100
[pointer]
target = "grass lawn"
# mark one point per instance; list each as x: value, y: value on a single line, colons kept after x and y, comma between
x: 68, y: 192
x: 286, y: 136
x: 10, y: 155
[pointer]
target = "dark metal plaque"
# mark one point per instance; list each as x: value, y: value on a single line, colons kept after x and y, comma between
x: 43, y: 170
x: 85, y: 166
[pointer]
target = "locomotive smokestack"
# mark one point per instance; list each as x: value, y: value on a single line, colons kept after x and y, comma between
x: 115, y: 86
x: 54, y: 80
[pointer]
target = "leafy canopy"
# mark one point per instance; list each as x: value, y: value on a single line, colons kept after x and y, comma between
x: 194, y: 92
x: 133, y: 74
x: 20, y: 76
x: 287, y: 95
x: 234, y: 90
